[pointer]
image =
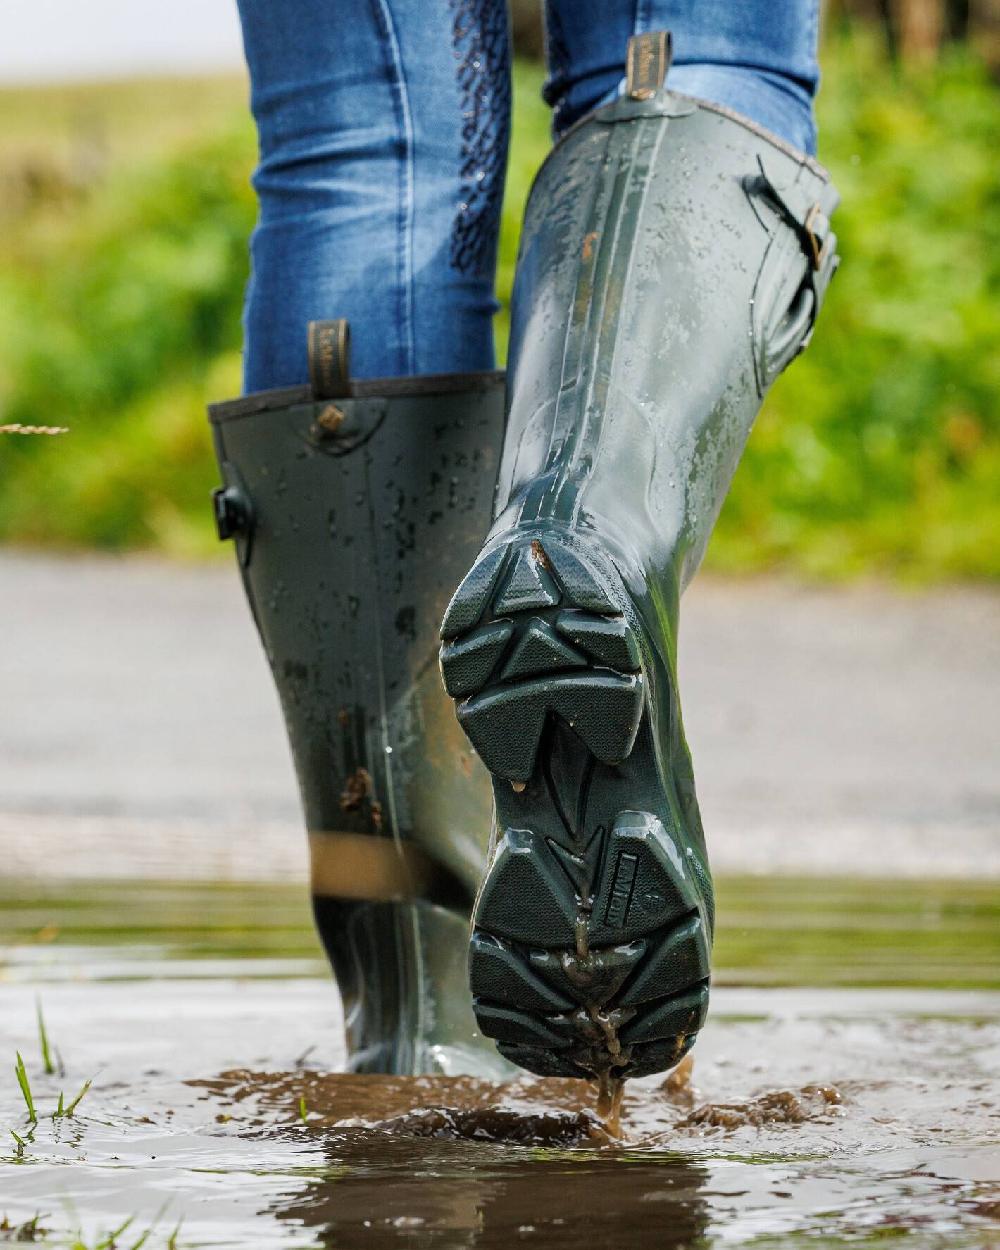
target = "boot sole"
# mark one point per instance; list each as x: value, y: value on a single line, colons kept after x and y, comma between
x: 589, y: 952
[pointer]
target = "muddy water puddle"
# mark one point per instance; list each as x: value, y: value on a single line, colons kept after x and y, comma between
x: 820, y: 1116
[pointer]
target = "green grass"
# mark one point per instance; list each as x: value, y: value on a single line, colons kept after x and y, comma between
x: 21, y: 1074
x: 48, y: 1063
x: 63, y: 1109
x: 113, y: 1240
x: 771, y: 930
x: 70, y: 1108
x: 24, y: 1233
x: 880, y: 449
x: 811, y: 931
x: 124, y: 215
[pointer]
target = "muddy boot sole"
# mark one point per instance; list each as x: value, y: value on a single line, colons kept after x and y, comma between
x: 589, y: 951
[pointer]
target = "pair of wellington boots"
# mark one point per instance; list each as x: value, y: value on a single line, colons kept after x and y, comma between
x: 536, y: 538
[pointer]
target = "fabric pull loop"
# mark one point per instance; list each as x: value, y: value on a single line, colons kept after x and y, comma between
x: 330, y: 358
x: 647, y: 63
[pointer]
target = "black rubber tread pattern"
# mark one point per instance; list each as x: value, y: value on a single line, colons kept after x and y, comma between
x: 467, y: 665
x: 505, y: 725
x: 590, y: 949
x: 540, y: 651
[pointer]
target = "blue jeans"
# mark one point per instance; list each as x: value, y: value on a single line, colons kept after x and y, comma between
x: 383, y: 129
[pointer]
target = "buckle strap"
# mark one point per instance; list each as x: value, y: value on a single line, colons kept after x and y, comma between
x: 804, y: 213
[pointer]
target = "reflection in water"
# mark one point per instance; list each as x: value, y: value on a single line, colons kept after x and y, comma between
x: 552, y: 1198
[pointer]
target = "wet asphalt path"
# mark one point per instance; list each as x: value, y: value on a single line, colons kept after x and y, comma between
x: 833, y: 730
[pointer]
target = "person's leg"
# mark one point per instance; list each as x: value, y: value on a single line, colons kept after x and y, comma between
x: 757, y: 57
x: 383, y: 129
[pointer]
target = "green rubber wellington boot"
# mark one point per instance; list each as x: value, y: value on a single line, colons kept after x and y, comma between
x: 673, y: 260
x: 355, y: 509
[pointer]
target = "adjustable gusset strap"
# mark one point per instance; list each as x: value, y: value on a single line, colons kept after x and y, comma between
x: 803, y: 212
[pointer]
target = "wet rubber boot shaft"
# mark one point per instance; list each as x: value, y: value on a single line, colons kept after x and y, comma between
x: 356, y: 507
x: 672, y: 262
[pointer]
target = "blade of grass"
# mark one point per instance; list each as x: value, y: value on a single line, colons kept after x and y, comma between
x: 111, y: 1238
x: 22, y: 1080
x: 43, y: 1038
x: 19, y: 1146
x: 303, y: 1111
x: 79, y: 1098
x: 60, y: 1110
x: 144, y: 1237
x: 31, y: 1230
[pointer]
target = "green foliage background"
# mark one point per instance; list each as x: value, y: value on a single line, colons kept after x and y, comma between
x: 124, y: 216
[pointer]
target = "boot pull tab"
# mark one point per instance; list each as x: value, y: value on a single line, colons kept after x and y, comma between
x: 330, y: 358
x: 648, y: 63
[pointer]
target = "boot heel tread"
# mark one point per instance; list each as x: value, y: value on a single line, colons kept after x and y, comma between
x: 533, y: 634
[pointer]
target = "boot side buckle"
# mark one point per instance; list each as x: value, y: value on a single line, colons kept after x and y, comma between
x: 233, y: 510
x: 230, y: 513
x: 816, y: 229
x: 809, y: 222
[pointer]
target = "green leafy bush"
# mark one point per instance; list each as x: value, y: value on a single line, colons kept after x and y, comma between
x: 879, y: 450
x: 119, y: 318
